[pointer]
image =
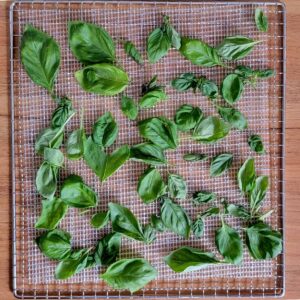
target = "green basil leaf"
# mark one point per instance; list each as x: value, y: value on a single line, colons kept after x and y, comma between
x: 90, y: 43
x: 199, y: 53
x: 229, y: 244
x: 157, y: 223
x: 232, y: 88
x: 148, y: 153
x: 261, y: 20
x: 171, y: 33
x: 105, y: 130
x: 100, y: 219
x: 49, y: 137
x: 191, y: 157
x: 55, y: 244
x: 129, y: 108
x: 149, y: 234
x: 256, y: 144
x: 234, y: 117
x: 75, y: 263
x: 208, y: 88
x: 75, y: 144
x: 54, y: 157
x: 185, y: 82
x: 187, y: 259
x: 210, y: 212
x: 220, y: 164
x: 198, y: 227
x: 151, y: 98
x: 103, y: 79
x: 236, y: 47
x: 244, y: 72
x: 259, y: 191
x: 46, y: 180
x: 187, y: 117
x: 265, y: 73
x: 62, y: 113
x: 107, y: 249
x: 90, y: 263
x: 76, y: 193
x: 238, y: 211
x: 246, y: 176
x: 160, y: 131
x: 151, y: 185
x: 53, y: 211
x: 40, y: 55
x: 124, y: 222
x: 263, y: 242
x: 133, y: 52
x: 210, y: 130
x: 175, y: 218
x: 203, y: 197
x: 177, y: 186
x: 130, y: 274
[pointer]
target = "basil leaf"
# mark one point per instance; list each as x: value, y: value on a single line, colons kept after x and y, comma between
x: 251, y: 76
x: 263, y: 242
x: 261, y: 20
x: 175, y: 218
x: 157, y: 223
x: 75, y: 263
x: 203, y: 197
x: 124, y: 222
x: 187, y: 259
x: 100, y: 220
x: 220, y: 164
x: 90, y: 43
x: 46, y: 180
x: 149, y: 234
x: 53, y: 211
x: 151, y: 185
x: 103, y: 79
x: 171, y: 33
x: 199, y: 53
x: 212, y: 211
x: 148, y: 153
x: 191, y: 157
x: 158, y: 45
x: 236, y: 47
x: 234, y: 117
x: 198, y: 227
x: 76, y: 193
x: 259, y: 191
x: 210, y: 130
x: 62, y: 113
x: 107, y: 249
x: 130, y: 274
x: 151, y: 98
x: 54, y: 157
x: 40, y: 55
x: 133, y: 52
x: 232, y: 88
x: 160, y: 131
x: 208, y: 88
x: 75, y: 144
x: 187, y: 117
x: 90, y: 263
x: 55, y: 244
x: 246, y: 176
x: 265, y: 73
x: 229, y: 244
x: 256, y: 144
x: 105, y: 130
x: 49, y: 137
x: 177, y: 186
x: 129, y: 108
x: 238, y: 211
x: 185, y: 82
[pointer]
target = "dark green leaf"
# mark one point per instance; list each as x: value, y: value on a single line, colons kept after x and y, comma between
x: 187, y: 259
x: 234, y: 117
x: 130, y: 274
x: 133, y: 52
x: 90, y: 263
x: 187, y: 117
x: 229, y: 244
x: 232, y: 88
x: 46, y: 180
x: 53, y: 211
x: 265, y: 73
x: 129, y: 108
x: 238, y: 211
x: 210, y: 212
x: 177, y: 186
x: 195, y: 157
x: 75, y: 144
x: 236, y: 47
x: 49, y: 137
x: 149, y: 234
x: 175, y: 218
x: 40, y: 55
x: 208, y: 88
x: 246, y: 176
x: 100, y: 219
x: 220, y: 164
x: 54, y: 157
x: 55, y: 244
x: 158, y: 45
x: 62, y: 113
x: 185, y: 82
x: 259, y: 191
x: 263, y: 242
x: 157, y: 223
x: 261, y: 20
x: 90, y: 43
x: 203, y: 197
x: 151, y: 185
x: 151, y: 98
x: 103, y: 79
x: 256, y: 144
x: 198, y: 227
x: 76, y: 193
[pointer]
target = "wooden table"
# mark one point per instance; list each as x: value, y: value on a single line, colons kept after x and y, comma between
x: 292, y: 154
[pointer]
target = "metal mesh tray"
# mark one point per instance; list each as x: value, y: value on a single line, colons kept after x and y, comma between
x: 31, y: 111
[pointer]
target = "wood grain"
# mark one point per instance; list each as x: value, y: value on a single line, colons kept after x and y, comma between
x: 292, y: 154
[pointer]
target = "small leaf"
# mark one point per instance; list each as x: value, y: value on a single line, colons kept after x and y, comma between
x: 208, y: 88
x: 220, y: 164
x: 100, y: 219
x: 187, y: 117
x: 75, y: 144
x: 171, y: 33
x: 151, y: 98
x: 133, y: 52
x: 232, y: 88
x: 256, y: 144
x: 261, y: 20
x: 54, y: 157
x: 246, y: 176
x: 149, y: 234
x: 49, y: 137
x: 177, y: 186
x: 234, y: 117
x: 191, y: 157
x: 157, y: 223
x: 62, y: 113
x: 210, y: 212
x: 129, y: 108
x: 265, y: 73
x: 198, y: 227
x: 238, y: 211
x: 185, y: 82
x: 259, y: 191
x: 203, y: 197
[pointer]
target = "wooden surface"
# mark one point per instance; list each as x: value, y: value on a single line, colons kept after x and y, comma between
x: 292, y: 223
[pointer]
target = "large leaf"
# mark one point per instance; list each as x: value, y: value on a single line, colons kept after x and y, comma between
x: 232, y: 88
x: 187, y: 117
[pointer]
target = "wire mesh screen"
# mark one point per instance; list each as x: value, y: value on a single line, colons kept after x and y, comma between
x: 263, y: 106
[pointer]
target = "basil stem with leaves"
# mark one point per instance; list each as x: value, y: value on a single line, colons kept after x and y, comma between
x: 220, y: 164
x: 133, y: 52
x: 261, y: 20
x: 100, y: 219
x: 187, y: 117
x: 129, y: 108
x: 233, y: 116
x: 177, y: 186
x: 256, y: 144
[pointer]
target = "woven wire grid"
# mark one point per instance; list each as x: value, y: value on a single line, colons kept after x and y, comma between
x: 263, y: 106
